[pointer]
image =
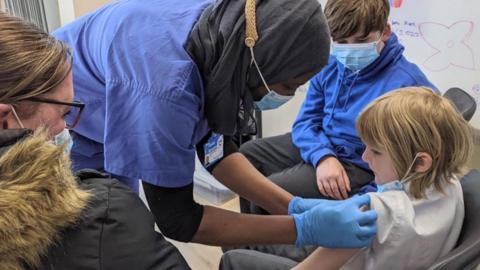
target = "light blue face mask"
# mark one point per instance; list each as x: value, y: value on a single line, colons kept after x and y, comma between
x: 397, y: 184
x: 356, y: 56
x: 64, y: 139
x: 272, y: 100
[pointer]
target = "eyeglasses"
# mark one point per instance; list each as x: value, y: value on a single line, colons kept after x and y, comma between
x: 74, y: 111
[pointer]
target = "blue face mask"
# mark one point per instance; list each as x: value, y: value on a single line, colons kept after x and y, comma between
x: 64, y: 139
x: 356, y: 56
x: 272, y: 100
x: 397, y: 184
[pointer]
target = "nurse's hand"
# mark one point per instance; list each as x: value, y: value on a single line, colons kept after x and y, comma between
x: 299, y: 205
x: 341, y: 225
x: 332, y: 179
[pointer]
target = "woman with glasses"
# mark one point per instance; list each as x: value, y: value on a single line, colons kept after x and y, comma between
x: 49, y: 218
x: 164, y: 79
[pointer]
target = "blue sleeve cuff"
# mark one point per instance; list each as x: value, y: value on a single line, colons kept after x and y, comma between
x: 292, y: 205
x: 297, y: 218
x: 317, y: 156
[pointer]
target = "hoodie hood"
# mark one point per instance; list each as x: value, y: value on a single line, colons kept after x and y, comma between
x: 39, y: 197
x: 392, y: 52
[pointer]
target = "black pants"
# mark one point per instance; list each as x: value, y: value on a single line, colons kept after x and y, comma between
x: 280, y: 160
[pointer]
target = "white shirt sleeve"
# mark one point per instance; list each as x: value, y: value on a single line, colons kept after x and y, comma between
x: 412, y: 233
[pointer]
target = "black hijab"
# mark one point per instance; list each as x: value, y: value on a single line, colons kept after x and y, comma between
x: 294, y: 40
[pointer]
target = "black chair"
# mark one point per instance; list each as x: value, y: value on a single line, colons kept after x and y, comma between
x: 466, y: 254
x: 465, y: 103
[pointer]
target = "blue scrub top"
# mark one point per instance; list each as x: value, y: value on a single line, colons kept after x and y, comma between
x: 143, y: 93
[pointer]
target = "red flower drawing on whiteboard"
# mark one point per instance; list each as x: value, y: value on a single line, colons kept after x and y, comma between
x: 450, y: 43
x: 396, y: 3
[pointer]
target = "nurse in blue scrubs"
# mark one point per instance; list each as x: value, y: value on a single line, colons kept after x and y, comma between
x: 164, y: 79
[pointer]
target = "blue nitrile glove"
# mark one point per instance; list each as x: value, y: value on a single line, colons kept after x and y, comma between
x: 299, y: 205
x: 340, y: 225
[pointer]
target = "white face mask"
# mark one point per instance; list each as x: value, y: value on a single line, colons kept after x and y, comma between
x: 397, y: 184
x: 61, y: 139
x: 65, y: 140
x: 272, y: 100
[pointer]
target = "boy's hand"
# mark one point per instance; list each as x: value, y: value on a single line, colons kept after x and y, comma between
x: 332, y: 180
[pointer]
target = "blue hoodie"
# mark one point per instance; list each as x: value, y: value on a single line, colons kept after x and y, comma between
x: 325, y: 125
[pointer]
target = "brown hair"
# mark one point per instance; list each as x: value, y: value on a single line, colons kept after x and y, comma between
x: 32, y: 61
x: 348, y: 17
x: 414, y: 119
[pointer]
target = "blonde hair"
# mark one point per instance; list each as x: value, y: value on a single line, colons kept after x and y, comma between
x: 39, y: 197
x: 414, y: 119
x: 348, y: 17
x: 32, y: 61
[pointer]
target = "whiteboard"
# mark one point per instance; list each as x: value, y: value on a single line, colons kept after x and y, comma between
x: 442, y: 37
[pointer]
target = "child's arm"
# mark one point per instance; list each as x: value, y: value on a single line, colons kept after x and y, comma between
x: 326, y: 259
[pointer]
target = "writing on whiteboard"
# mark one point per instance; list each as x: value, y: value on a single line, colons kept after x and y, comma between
x: 405, y: 28
x: 450, y: 45
x: 476, y: 92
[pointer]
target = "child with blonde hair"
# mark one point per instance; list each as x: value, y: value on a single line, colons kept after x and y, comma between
x: 417, y: 147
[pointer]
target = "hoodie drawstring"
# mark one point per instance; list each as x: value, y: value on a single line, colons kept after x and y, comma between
x: 337, y: 93
x: 349, y: 90
x: 335, y: 101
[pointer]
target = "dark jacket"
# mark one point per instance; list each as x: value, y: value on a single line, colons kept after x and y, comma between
x: 50, y: 219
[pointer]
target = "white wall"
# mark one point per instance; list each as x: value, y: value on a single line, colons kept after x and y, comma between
x: 84, y: 6
x: 71, y: 9
x: 67, y: 11
x: 52, y: 14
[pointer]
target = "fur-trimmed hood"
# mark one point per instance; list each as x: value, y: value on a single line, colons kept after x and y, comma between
x: 39, y: 197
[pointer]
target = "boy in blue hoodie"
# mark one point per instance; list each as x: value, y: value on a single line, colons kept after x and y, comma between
x: 321, y: 158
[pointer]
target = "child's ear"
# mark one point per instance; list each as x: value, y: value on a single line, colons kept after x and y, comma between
x: 423, y: 162
x: 5, y: 110
x: 387, y: 32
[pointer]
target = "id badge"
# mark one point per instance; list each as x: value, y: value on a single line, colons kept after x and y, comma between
x: 213, y: 149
